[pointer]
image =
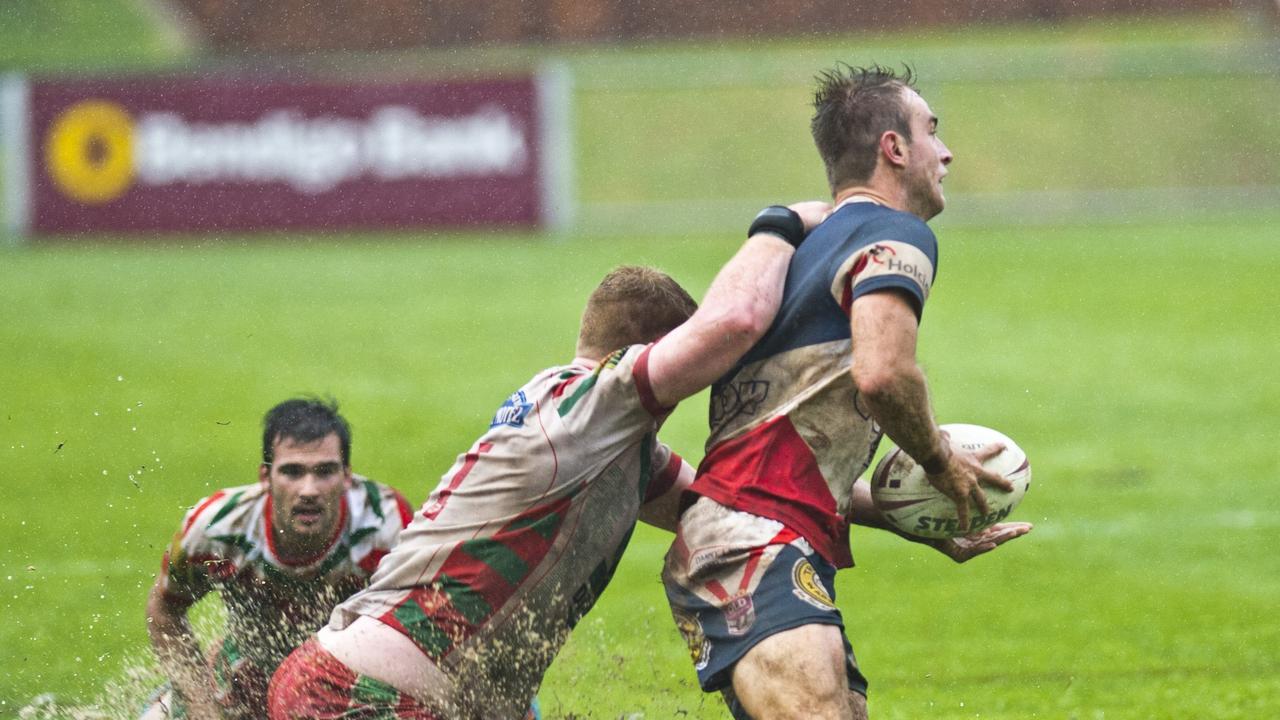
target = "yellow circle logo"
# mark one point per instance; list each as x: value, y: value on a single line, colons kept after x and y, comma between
x: 89, y: 151
x: 808, y: 586
x: 691, y: 630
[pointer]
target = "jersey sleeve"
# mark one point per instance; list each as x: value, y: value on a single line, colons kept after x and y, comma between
x: 404, y: 511
x: 615, y: 402
x: 899, y: 252
x: 184, y: 571
x: 386, y: 508
x: 664, y: 470
x: 384, y: 512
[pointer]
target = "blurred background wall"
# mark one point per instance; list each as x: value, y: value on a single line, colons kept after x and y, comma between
x: 1147, y: 132
x: 685, y: 116
x: 352, y: 25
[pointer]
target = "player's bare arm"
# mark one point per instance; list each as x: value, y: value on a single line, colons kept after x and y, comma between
x: 884, y: 331
x: 737, y: 310
x: 862, y: 511
x: 179, y: 654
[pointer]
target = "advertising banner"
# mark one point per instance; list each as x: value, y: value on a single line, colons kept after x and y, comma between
x: 196, y: 154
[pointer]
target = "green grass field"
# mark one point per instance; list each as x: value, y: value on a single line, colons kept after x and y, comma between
x: 1132, y: 359
x: 1135, y: 372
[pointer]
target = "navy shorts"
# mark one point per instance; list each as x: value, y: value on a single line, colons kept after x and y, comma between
x: 729, y: 611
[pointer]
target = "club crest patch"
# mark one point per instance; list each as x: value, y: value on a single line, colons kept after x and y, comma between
x: 808, y: 586
x: 691, y: 630
x: 739, y: 615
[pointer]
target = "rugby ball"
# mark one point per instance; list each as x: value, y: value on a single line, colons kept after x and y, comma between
x: 907, y: 501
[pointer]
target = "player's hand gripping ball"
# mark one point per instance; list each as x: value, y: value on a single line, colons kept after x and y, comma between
x: 907, y: 501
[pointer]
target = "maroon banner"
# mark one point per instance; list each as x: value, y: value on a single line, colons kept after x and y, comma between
x: 166, y: 154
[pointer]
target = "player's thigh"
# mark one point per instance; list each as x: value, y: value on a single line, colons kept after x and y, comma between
x: 796, y: 673
x: 857, y: 705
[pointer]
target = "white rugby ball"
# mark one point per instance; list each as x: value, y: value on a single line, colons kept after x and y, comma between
x: 907, y: 501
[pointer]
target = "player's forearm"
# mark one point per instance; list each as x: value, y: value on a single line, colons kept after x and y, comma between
x: 736, y: 312
x: 181, y: 661
x: 744, y: 298
x: 862, y: 509
x: 898, y: 398
x: 178, y: 651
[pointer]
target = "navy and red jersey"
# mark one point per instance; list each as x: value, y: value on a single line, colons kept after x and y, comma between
x: 789, y: 436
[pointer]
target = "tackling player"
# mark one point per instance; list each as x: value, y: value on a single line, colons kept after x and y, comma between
x: 750, y: 574
x: 282, y: 553
x: 525, y: 530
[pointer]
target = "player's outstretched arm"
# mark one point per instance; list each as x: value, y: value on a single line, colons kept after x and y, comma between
x: 883, y: 326
x: 863, y: 512
x: 179, y: 654
x: 737, y: 310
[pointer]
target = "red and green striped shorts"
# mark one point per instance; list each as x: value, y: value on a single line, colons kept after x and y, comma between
x: 312, y: 684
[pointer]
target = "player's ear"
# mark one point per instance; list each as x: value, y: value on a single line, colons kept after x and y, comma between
x: 893, y: 148
x: 264, y: 474
x: 349, y: 480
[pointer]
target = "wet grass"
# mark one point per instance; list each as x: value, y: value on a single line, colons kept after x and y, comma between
x: 1132, y: 364
x: 1132, y: 360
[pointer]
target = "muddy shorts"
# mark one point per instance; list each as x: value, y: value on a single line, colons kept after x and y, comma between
x: 734, y: 579
x: 312, y: 684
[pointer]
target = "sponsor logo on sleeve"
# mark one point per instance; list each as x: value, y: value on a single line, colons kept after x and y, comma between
x: 915, y: 272
x: 876, y: 254
x: 895, y: 258
x: 513, y: 412
x: 886, y: 258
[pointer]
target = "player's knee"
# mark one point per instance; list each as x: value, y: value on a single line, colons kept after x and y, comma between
x: 791, y: 706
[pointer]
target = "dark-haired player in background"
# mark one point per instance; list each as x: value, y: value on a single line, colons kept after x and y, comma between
x: 282, y: 552
x: 750, y: 575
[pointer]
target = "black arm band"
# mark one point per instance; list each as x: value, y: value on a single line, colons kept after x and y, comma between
x: 781, y: 221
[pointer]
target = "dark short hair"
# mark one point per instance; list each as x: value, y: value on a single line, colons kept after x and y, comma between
x: 304, y: 420
x: 633, y: 305
x: 853, y: 107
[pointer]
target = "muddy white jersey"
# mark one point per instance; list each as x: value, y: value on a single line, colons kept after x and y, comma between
x: 525, y: 529
x: 225, y: 544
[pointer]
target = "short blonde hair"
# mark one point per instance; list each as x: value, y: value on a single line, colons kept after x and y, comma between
x: 632, y: 305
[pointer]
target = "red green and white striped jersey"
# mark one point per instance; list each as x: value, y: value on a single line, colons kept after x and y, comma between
x: 225, y: 545
x: 525, y: 530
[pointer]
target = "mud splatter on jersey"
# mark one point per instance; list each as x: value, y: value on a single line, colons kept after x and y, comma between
x: 789, y: 433
x: 273, y: 606
x: 525, y: 530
